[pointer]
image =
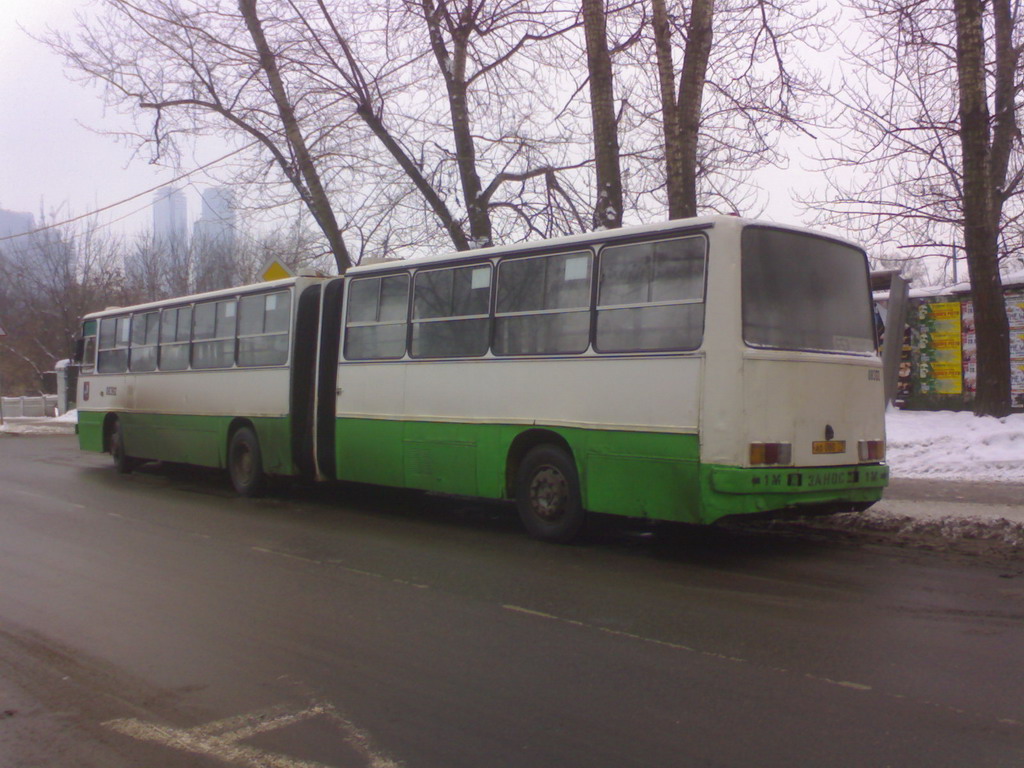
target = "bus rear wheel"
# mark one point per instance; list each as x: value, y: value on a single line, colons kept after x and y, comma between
x: 245, y: 464
x: 548, y: 495
x: 123, y: 463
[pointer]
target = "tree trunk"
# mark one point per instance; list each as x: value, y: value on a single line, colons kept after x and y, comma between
x: 691, y: 95
x: 437, y: 205
x: 608, y: 206
x: 314, y: 194
x: 453, y: 69
x: 465, y: 155
x: 669, y: 111
x: 981, y: 216
x: 681, y: 115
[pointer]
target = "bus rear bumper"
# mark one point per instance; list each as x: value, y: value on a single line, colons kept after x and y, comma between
x: 737, y: 490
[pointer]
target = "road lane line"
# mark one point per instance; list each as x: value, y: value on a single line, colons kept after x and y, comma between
x: 44, y: 497
x: 841, y: 683
x: 847, y: 684
x: 413, y: 584
x: 678, y: 646
x: 265, y: 551
x: 358, y: 571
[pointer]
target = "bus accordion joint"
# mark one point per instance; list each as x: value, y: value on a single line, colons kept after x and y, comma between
x: 779, y: 454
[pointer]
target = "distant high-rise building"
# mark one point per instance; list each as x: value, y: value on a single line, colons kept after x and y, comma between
x: 215, y: 226
x: 213, y: 241
x: 170, y: 219
x: 13, y: 223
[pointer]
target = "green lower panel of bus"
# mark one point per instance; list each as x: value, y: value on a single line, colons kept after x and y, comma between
x: 200, y: 440
x: 735, y: 490
x: 636, y: 474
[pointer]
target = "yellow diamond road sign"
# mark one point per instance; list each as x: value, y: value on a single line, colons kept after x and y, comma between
x: 275, y: 270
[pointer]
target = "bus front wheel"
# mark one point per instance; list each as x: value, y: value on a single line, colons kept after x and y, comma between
x: 548, y: 495
x: 245, y: 463
x: 123, y: 463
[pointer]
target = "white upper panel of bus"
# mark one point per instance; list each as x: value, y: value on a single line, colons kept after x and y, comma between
x: 701, y: 222
x: 270, y: 285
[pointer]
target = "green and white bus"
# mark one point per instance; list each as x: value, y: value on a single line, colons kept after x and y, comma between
x: 684, y: 371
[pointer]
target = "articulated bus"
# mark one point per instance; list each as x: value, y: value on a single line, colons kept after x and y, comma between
x: 685, y: 371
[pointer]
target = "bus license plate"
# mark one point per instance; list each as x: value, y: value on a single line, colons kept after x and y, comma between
x: 828, y: 446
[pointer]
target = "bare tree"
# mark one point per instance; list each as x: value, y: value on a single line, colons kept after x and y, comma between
x: 741, y: 85
x: 405, y: 123
x: 194, y: 69
x: 449, y: 92
x: 922, y: 164
x: 51, y: 278
x: 291, y: 240
x: 310, y: 188
x: 985, y: 159
x: 146, y: 270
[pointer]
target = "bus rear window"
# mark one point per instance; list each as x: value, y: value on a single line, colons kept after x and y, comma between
x: 804, y: 292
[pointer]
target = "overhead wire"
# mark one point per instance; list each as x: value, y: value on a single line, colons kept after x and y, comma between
x: 176, y: 179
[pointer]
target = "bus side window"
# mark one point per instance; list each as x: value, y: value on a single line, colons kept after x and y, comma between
x: 213, y: 334
x: 175, y: 326
x: 543, y: 305
x: 651, y: 296
x: 88, y: 341
x: 263, y: 323
x: 145, y: 332
x: 113, y: 345
x: 451, y: 312
x: 375, y: 324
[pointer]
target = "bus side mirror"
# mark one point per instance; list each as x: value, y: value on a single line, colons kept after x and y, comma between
x: 79, y: 350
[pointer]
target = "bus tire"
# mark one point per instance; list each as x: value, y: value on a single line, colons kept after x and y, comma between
x: 123, y: 463
x: 245, y: 464
x: 548, y: 495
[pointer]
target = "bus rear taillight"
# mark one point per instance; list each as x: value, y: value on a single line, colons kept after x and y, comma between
x: 871, y: 450
x: 771, y: 453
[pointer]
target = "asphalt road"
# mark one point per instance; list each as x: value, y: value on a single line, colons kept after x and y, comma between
x: 155, y: 620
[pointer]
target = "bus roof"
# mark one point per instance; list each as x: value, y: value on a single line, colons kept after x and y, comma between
x: 601, y: 236
x: 222, y: 292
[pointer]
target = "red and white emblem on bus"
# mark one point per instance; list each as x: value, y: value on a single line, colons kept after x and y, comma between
x: 85, y: 390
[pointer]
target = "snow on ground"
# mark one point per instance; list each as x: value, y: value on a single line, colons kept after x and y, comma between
x: 32, y: 425
x: 944, y: 445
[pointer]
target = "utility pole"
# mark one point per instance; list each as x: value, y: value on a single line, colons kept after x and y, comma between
x: 3, y: 333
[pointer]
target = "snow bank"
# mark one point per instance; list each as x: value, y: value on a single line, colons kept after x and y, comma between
x: 71, y: 417
x: 60, y: 425
x: 961, y: 530
x: 945, y: 445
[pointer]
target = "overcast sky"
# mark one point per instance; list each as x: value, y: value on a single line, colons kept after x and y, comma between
x: 52, y: 158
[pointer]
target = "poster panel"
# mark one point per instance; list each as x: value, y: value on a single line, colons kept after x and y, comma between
x: 940, y: 348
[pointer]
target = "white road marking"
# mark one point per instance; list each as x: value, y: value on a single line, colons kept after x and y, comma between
x: 43, y: 497
x: 674, y: 646
x: 289, y: 555
x: 841, y: 683
x: 220, y: 739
